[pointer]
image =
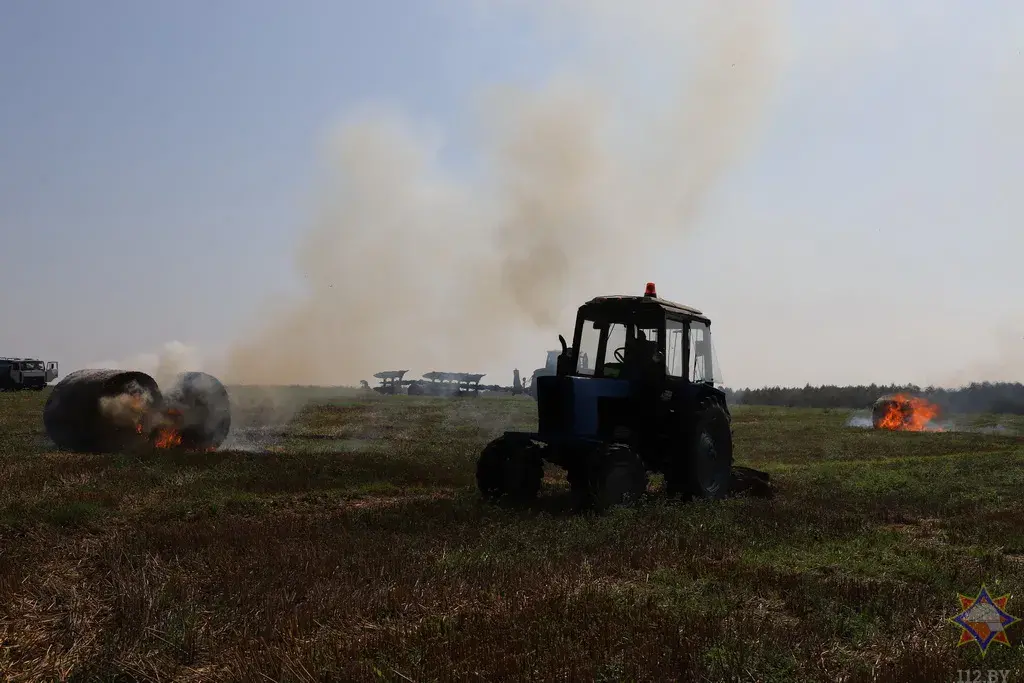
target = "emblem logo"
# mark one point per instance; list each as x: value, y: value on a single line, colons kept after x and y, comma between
x: 983, y: 620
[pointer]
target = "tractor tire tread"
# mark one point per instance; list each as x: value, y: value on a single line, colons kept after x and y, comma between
x: 685, y: 479
x: 604, y: 463
x: 503, y: 456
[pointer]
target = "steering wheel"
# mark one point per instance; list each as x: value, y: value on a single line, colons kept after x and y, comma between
x: 620, y: 354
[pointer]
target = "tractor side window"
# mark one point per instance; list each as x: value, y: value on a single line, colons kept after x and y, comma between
x: 589, y: 339
x: 700, y: 353
x: 674, y: 344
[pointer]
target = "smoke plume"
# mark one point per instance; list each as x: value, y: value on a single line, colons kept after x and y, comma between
x: 128, y: 408
x: 163, y: 365
x: 411, y: 265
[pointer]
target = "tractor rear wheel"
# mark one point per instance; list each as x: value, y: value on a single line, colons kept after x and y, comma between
x: 704, y: 468
x: 613, y: 475
x: 511, y: 469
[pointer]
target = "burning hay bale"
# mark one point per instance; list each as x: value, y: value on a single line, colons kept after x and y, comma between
x: 104, y: 411
x: 903, y: 412
x: 101, y: 410
x: 197, y: 413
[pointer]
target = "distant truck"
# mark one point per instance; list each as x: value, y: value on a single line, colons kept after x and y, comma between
x: 26, y: 373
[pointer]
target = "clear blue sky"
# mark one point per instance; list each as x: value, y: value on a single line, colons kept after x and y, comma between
x: 158, y: 161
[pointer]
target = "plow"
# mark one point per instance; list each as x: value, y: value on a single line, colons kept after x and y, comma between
x: 393, y: 382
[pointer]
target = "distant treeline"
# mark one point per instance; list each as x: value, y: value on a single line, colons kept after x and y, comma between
x: 979, y: 397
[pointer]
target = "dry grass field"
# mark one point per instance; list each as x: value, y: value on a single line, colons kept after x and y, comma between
x: 357, y: 549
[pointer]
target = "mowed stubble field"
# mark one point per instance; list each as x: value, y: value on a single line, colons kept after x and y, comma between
x: 359, y: 550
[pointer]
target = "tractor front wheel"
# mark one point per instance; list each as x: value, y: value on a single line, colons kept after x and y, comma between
x: 613, y: 475
x: 511, y: 469
x: 704, y: 468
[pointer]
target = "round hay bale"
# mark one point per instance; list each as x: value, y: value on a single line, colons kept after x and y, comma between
x: 201, y: 408
x: 101, y: 411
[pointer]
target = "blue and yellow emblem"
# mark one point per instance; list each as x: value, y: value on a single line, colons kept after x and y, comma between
x: 983, y: 619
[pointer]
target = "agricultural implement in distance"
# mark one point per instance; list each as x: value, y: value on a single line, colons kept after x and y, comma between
x: 645, y: 403
x: 432, y: 384
x: 391, y: 381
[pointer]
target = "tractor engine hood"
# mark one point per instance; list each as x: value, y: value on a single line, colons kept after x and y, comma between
x: 570, y: 405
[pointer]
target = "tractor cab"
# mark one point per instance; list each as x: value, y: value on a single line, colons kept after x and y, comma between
x: 633, y: 393
x: 639, y: 339
x: 637, y: 358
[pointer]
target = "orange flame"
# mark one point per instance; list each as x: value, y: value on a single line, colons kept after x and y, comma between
x: 168, y: 436
x: 909, y: 414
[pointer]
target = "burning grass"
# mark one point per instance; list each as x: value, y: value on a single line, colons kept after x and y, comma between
x: 325, y: 561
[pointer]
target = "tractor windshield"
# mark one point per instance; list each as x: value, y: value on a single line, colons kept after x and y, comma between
x: 624, y: 344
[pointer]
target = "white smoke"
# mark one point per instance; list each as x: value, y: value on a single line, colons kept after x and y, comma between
x: 410, y: 265
x: 162, y: 364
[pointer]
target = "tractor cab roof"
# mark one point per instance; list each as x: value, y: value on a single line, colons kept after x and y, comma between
x: 637, y: 304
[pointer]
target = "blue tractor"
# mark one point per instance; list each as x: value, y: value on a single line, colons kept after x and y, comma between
x: 648, y: 404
